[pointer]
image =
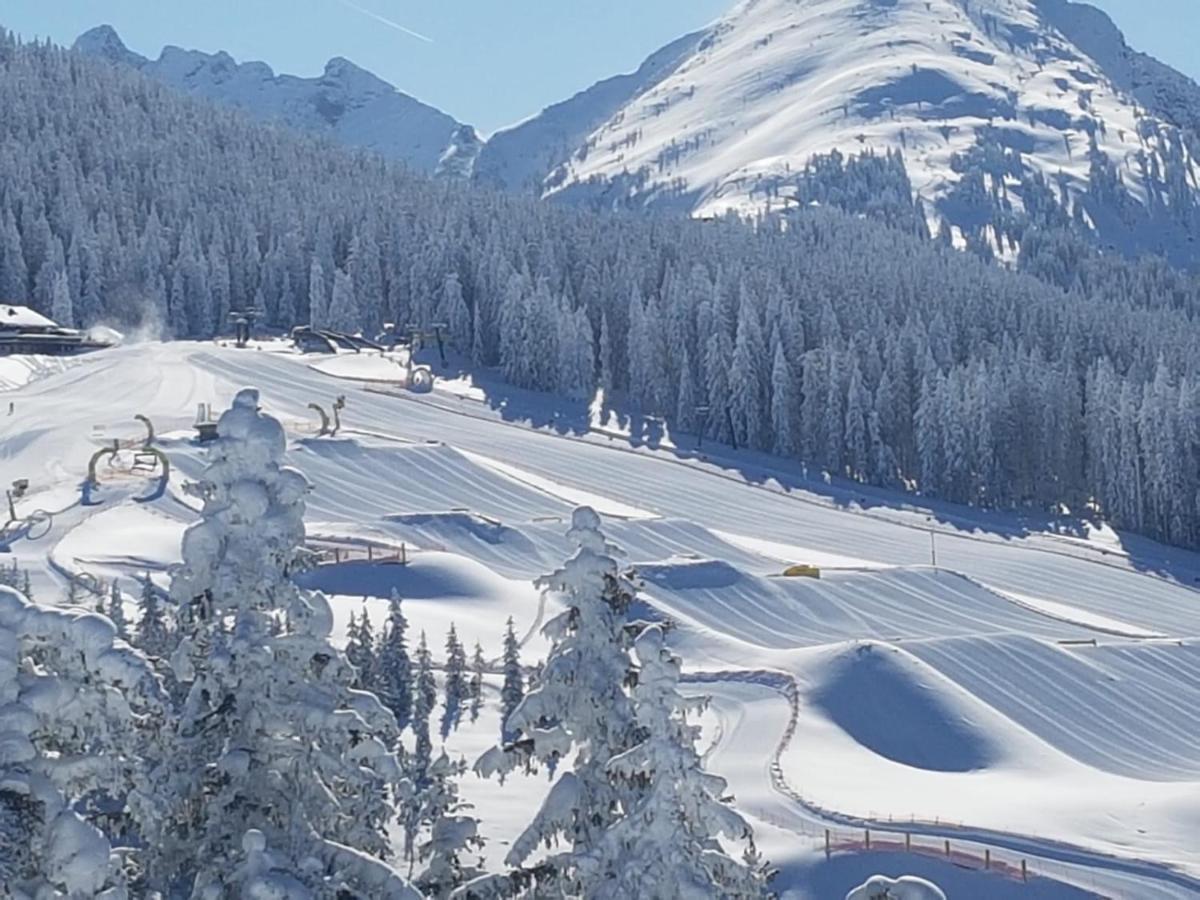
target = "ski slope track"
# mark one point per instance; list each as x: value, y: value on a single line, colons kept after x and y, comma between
x: 1031, y: 697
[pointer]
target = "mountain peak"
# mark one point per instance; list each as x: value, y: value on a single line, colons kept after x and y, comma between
x: 104, y: 42
x: 354, y: 77
x: 1021, y: 90
x: 346, y: 102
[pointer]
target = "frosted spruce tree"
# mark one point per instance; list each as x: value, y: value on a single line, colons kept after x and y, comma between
x: 80, y: 708
x: 115, y: 610
x: 513, y: 689
x: 667, y: 843
x: 475, y: 687
x: 395, y: 683
x: 424, y: 701
x: 153, y: 633
x: 578, y: 704
x: 452, y: 835
x: 455, y: 688
x: 271, y: 737
x: 360, y: 651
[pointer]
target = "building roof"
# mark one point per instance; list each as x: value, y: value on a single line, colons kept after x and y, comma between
x: 22, y: 317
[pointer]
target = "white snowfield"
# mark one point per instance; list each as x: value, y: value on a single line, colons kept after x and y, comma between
x: 777, y: 81
x: 1029, y: 698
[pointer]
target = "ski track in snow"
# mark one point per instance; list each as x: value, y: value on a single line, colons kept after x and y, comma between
x: 977, y: 638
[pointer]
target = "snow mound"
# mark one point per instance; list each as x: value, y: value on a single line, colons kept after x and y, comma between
x: 427, y: 576
x: 1126, y: 708
x: 457, y: 525
x: 880, y: 887
x: 890, y: 704
x: 689, y: 574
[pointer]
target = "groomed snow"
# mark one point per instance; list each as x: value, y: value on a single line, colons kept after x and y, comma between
x: 884, y: 690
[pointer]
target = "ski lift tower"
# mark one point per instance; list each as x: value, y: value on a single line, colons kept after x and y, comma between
x: 244, y: 321
x: 418, y: 337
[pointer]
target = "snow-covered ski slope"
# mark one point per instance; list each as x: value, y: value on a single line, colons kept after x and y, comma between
x: 778, y: 81
x: 966, y: 700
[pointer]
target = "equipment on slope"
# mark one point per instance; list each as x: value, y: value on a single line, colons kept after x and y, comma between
x: 316, y: 407
x: 146, y: 459
x: 243, y: 323
x: 338, y: 405
x: 33, y: 526
x: 330, y: 427
x: 206, y: 425
x: 418, y: 337
x: 149, y: 429
x: 802, y: 571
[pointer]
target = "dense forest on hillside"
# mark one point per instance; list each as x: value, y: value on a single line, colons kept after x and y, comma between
x: 876, y: 353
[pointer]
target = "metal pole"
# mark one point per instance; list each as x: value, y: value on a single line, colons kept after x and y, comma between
x: 933, y: 547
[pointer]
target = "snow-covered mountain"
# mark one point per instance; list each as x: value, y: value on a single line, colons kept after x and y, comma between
x: 996, y: 105
x: 346, y: 103
x: 520, y: 157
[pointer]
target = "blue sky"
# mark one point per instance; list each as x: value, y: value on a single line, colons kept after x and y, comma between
x: 487, y: 62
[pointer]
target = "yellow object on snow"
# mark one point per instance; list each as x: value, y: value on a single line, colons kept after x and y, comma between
x: 802, y: 572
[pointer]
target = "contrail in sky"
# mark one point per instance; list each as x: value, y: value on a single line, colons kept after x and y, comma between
x: 385, y: 21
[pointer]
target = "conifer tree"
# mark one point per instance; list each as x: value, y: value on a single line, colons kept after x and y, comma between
x: 578, y: 703
x: 395, y: 667
x: 115, y: 610
x: 513, y: 689
x: 153, y: 634
x: 360, y: 651
x: 666, y: 842
x: 456, y: 690
x: 270, y: 736
x: 424, y: 701
x: 475, y: 688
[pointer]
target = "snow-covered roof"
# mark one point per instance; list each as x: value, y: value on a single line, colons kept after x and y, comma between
x: 22, y: 317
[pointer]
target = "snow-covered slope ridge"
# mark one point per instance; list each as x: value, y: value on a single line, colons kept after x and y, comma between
x: 778, y: 81
x: 521, y: 156
x: 346, y: 103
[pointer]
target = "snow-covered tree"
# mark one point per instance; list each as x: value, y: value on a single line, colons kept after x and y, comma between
x: 667, y: 842
x: 455, y: 687
x: 424, y: 701
x: 513, y: 689
x: 452, y: 835
x: 344, y: 311
x: 115, y: 610
x: 62, y: 308
x: 453, y: 310
x: 271, y: 736
x: 475, y: 687
x: 395, y: 675
x: 318, y: 306
x: 79, y: 710
x: 360, y: 651
x: 153, y: 633
x: 578, y: 703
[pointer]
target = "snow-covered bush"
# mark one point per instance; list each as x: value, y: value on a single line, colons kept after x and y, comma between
x: 880, y: 887
x: 75, y: 707
x: 271, y: 735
